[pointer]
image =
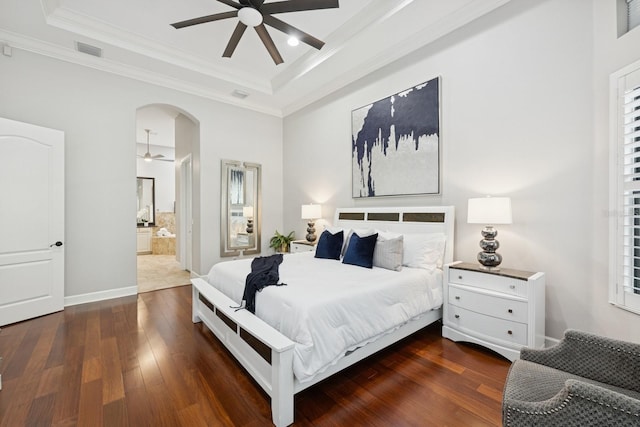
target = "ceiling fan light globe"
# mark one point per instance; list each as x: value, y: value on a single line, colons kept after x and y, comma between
x: 293, y: 41
x: 250, y: 17
x: 147, y: 157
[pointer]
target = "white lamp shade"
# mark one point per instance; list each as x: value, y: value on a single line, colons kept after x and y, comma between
x: 489, y: 210
x: 247, y: 211
x: 311, y: 212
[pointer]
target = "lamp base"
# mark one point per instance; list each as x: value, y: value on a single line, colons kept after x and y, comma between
x: 311, y: 232
x: 489, y: 258
x: 490, y: 261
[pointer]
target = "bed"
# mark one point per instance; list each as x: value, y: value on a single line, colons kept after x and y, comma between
x: 316, y: 326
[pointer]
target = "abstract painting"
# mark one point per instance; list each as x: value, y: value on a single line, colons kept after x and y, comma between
x: 396, y: 144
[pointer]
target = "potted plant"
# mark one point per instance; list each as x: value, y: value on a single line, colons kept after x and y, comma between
x: 280, y: 242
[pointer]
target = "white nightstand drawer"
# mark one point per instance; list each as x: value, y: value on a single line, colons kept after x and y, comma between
x: 490, y: 327
x: 507, y: 285
x: 296, y: 247
x: 488, y: 304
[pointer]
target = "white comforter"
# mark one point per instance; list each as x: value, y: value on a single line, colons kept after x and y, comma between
x: 329, y: 308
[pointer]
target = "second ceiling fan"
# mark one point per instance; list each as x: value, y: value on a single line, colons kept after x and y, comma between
x: 255, y: 13
x: 147, y: 156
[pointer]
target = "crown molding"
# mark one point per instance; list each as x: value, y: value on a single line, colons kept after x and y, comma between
x: 437, y: 30
x: 39, y: 47
x: 378, y: 12
x: 86, y: 26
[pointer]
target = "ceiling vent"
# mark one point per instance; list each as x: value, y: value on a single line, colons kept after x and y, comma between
x: 88, y: 49
x: 239, y: 94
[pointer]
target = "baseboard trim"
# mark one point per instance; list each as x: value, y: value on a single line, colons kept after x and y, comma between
x: 100, y: 296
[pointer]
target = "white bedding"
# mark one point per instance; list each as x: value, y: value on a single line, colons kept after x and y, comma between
x: 329, y: 308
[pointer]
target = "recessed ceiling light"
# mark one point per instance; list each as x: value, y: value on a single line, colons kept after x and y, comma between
x: 293, y: 41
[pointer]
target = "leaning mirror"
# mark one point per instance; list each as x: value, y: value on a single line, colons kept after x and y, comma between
x: 146, y: 201
x: 240, y: 208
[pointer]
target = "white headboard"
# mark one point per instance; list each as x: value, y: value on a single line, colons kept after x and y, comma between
x: 423, y: 219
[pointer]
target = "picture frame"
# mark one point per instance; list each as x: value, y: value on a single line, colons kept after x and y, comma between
x: 395, y: 145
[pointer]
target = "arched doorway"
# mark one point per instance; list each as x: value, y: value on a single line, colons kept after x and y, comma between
x: 166, y: 139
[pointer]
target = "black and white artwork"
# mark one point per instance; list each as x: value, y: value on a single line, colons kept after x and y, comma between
x: 395, y: 144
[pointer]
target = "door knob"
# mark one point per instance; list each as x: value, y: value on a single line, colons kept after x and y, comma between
x: 58, y: 243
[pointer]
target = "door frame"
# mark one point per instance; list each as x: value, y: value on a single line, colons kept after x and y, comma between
x: 186, y: 213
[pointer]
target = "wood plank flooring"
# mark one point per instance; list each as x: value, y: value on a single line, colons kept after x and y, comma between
x: 140, y: 361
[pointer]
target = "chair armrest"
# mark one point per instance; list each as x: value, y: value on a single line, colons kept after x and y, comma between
x: 578, y: 403
x: 594, y: 357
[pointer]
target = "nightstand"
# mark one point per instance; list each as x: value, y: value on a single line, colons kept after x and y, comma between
x: 302, y: 246
x: 502, y: 310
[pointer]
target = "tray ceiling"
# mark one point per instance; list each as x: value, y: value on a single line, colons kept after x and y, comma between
x: 136, y: 40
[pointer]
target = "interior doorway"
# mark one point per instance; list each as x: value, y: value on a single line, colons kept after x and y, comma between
x: 164, y: 145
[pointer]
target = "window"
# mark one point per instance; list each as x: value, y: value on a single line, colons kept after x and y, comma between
x: 624, y: 288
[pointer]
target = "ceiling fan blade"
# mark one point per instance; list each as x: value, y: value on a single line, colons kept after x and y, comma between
x: 298, y: 5
x: 269, y: 44
x: 234, y: 40
x: 256, y: 4
x: 203, y: 19
x: 157, y: 156
x: 293, y: 31
x: 231, y: 3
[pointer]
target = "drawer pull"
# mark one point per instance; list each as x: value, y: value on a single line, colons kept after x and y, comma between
x: 512, y: 286
x: 457, y: 297
x: 457, y: 316
x: 510, y: 332
x: 510, y: 311
x: 459, y: 277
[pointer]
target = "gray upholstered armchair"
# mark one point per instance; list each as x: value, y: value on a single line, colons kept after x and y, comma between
x: 585, y: 380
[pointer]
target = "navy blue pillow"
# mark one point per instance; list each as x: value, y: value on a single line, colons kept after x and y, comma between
x: 329, y: 245
x: 360, y: 250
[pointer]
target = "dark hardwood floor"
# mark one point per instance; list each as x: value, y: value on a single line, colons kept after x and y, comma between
x: 139, y: 361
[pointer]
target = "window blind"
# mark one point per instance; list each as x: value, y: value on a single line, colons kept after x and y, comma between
x: 628, y: 192
x: 631, y: 190
x: 633, y: 14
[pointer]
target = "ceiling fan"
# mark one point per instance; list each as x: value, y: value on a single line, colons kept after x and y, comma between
x: 148, y: 157
x: 255, y: 13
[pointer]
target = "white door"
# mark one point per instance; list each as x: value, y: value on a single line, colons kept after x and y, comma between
x: 31, y: 221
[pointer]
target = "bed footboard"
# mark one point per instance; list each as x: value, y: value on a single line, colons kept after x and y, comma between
x: 264, y: 352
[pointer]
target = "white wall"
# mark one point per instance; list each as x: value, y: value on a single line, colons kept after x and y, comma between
x: 97, y: 112
x: 517, y: 90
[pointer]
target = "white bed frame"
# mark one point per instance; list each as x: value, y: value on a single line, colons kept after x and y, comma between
x: 268, y: 355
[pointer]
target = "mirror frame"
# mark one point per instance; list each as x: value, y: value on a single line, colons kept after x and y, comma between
x: 152, y: 214
x: 227, y: 249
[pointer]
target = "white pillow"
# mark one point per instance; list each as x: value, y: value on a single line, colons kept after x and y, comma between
x: 424, y: 250
x: 388, y: 253
x: 387, y: 235
x: 334, y: 230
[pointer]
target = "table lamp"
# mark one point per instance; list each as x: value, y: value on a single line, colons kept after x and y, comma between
x: 311, y: 213
x: 489, y: 211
